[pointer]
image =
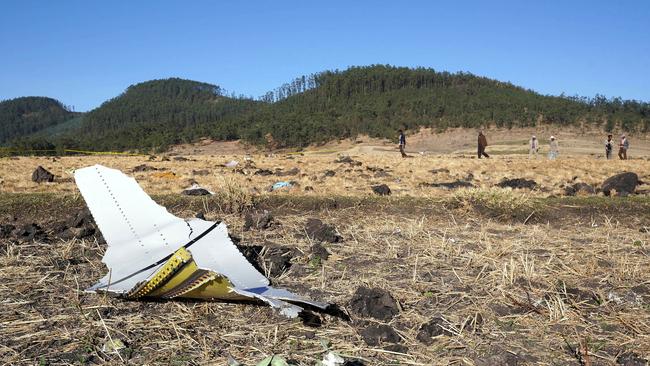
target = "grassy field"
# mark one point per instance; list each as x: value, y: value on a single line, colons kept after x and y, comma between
x: 502, y: 276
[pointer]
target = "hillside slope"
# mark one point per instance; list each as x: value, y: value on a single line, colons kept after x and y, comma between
x: 158, y: 113
x: 24, y: 116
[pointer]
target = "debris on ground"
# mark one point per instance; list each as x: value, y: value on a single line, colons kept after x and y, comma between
x: 154, y: 254
x: 231, y: 164
x: 382, y: 190
x: 579, y: 189
x: 331, y: 359
x: 517, y: 183
x: 623, y: 183
x: 273, y: 361
x: 347, y: 160
x: 374, y: 303
x: 280, y: 185
x: 259, y: 221
x: 317, y: 230
x: 449, y: 185
x: 435, y: 327
x: 41, y: 175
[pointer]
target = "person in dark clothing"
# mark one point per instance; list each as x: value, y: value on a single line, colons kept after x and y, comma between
x: 482, y: 144
x: 609, y: 146
x: 402, y: 143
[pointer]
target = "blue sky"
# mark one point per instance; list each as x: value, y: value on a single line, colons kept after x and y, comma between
x: 84, y: 52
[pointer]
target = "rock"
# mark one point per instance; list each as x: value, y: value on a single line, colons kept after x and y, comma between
x: 382, y: 190
x: 449, y: 185
x: 579, y: 188
x: 623, y: 182
x: 317, y: 230
x: 290, y: 172
x: 143, y: 168
x: 42, y: 175
x: 374, y: 303
x: 31, y: 232
x: 517, y: 183
x: 196, y: 192
x: 433, y: 328
x: 263, y: 172
x: 329, y: 173
x: 6, y: 230
x: 260, y: 221
x: 202, y: 172
x: 180, y: 158
x: 376, y: 334
x: 382, y: 174
x: 631, y: 359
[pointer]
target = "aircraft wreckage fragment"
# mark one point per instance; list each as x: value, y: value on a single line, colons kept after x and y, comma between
x: 152, y: 253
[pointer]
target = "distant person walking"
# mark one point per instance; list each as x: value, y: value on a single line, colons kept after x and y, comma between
x: 622, y: 148
x: 554, y: 149
x: 609, y: 146
x: 402, y: 143
x: 534, y: 147
x: 482, y: 144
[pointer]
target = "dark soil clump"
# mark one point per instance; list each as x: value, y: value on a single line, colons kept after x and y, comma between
x: 374, y: 303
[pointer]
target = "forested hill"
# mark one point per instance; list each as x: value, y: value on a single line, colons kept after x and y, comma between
x: 27, y: 115
x: 374, y: 100
x: 159, y: 113
x: 378, y: 100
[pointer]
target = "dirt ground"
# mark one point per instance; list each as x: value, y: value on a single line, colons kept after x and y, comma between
x: 478, y: 275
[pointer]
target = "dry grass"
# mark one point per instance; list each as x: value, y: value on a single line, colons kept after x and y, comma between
x: 503, y: 287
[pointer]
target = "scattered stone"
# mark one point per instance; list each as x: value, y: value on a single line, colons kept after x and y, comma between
x: 347, y: 160
x: 180, y: 158
x: 376, y: 334
x: 449, y: 185
x: 263, y: 172
x: 631, y: 359
x: 290, y: 172
x: 434, y: 328
x: 196, y: 192
x: 144, y: 168
x: 579, y: 189
x: 317, y: 230
x: 41, y: 175
x: 329, y: 173
x: 623, y: 182
x: 374, y: 303
x: 382, y: 174
x: 441, y: 170
x: 202, y: 172
x: 259, y: 221
x: 517, y: 183
x: 382, y: 190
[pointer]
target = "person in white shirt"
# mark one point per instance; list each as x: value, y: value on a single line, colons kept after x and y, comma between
x: 554, y: 150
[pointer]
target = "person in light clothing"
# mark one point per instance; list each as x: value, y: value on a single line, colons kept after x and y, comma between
x: 622, y: 148
x: 554, y: 149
